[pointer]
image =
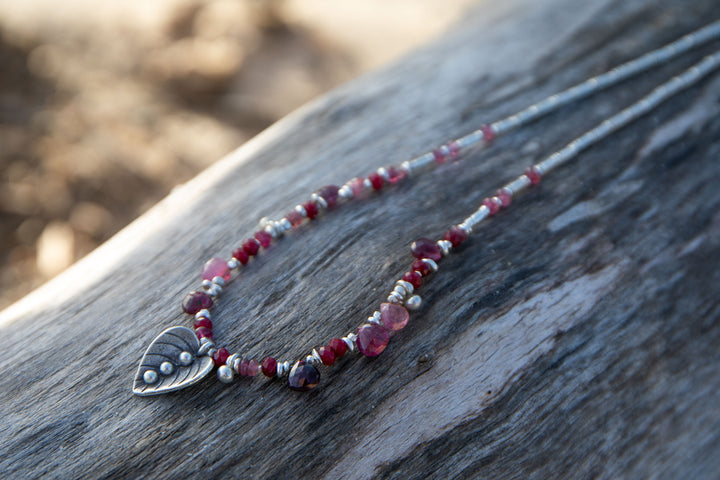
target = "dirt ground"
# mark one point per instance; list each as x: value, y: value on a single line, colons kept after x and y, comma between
x: 105, y: 106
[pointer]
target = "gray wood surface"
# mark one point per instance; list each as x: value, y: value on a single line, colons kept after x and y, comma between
x: 576, y: 336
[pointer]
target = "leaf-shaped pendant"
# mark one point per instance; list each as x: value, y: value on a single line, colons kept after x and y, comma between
x: 171, y: 363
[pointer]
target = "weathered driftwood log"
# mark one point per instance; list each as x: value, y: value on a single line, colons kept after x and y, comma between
x: 575, y: 336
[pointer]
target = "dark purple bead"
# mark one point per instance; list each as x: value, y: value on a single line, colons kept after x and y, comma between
x: 196, y: 301
x: 426, y: 248
x: 329, y: 193
x: 303, y: 377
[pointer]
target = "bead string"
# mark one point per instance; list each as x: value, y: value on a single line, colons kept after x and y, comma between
x: 371, y: 338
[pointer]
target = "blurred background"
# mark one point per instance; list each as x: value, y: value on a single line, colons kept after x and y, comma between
x: 105, y: 106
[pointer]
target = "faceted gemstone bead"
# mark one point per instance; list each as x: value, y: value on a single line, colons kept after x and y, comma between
x: 533, y: 174
x: 372, y: 339
x: 242, y: 367
x: 220, y: 356
x: 329, y: 193
x: 413, y: 278
x: 492, y: 205
x: 203, y: 322
x: 439, y: 155
x: 263, y: 238
x: 269, y: 367
x: 376, y: 180
x: 303, y: 377
x: 251, y: 369
x: 421, y: 267
x: 357, y: 185
x: 455, y: 236
x: 488, y: 133
x: 454, y: 150
x: 327, y: 355
x: 203, y: 332
x: 251, y: 246
x: 311, y: 209
x: 216, y: 267
x: 339, y: 347
x: 241, y: 256
x: 393, y: 316
x: 395, y: 175
x: 295, y: 218
x: 426, y: 248
x: 505, y: 197
x: 196, y: 301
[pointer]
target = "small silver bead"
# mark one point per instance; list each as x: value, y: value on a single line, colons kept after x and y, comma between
x: 214, y: 290
x: 283, y: 368
x: 406, y: 285
x: 231, y: 359
x: 185, y: 358
x: 395, y: 297
x: 414, y: 302
x: 236, y: 364
x: 319, y: 200
x: 350, y: 340
x: 301, y: 210
x: 225, y: 374
x: 406, y: 167
x: 310, y: 360
x: 431, y: 263
x: 233, y: 264
x: 367, y: 184
x: 150, y: 377
x: 204, y: 313
x: 265, y: 221
x: 284, y: 223
x: 400, y: 290
x: 316, y: 356
x: 272, y: 230
x: 382, y: 171
x: 166, y: 368
x: 345, y: 192
x: 465, y: 228
x: 219, y: 281
x: 212, y: 352
x: 445, y: 246
x: 206, y: 284
x: 205, y: 346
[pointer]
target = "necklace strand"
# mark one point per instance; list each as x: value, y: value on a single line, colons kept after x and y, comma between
x: 180, y: 357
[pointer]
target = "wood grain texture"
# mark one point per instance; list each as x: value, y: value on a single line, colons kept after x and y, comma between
x: 575, y: 336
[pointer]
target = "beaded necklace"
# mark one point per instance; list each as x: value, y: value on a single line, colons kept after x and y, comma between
x: 180, y: 356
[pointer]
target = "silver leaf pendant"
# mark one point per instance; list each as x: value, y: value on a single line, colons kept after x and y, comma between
x: 170, y: 363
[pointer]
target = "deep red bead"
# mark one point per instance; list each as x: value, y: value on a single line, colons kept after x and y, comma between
x: 269, y: 367
x: 196, y: 301
x: 426, y: 248
x: 372, y: 339
x: 395, y: 175
x: 329, y: 193
x: 421, y: 267
x: 534, y: 175
x: 251, y: 246
x: 295, y: 218
x: 203, y: 322
x: 327, y: 355
x: 203, y: 332
x: 263, y: 238
x: 216, y: 267
x: 456, y: 236
x: 505, y: 196
x: 376, y: 180
x: 492, y: 205
x: 338, y: 346
x: 220, y: 356
x: 241, y: 256
x: 311, y: 209
x: 413, y: 278
x: 303, y: 377
x: 488, y: 133
x: 439, y: 155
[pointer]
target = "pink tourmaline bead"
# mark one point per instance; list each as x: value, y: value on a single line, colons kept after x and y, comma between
x: 252, y: 368
x: 357, y: 185
x: 414, y: 278
x: 242, y: 367
x: 216, y: 267
x: 492, y: 205
x: 295, y: 218
x: 426, y: 248
x: 376, y: 180
x: 395, y: 175
x: 196, y: 301
x: 394, y: 317
x: 533, y: 174
x: 454, y: 149
x: 311, y: 209
x: 439, y: 155
x: 251, y: 246
x: 505, y: 197
x: 329, y: 193
x: 456, y: 236
x: 263, y: 238
x: 488, y: 133
x: 372, y: 339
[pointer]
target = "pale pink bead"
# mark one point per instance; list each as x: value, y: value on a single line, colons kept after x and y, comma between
x: 216, y: 267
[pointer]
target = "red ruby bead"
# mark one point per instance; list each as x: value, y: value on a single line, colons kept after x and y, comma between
x: 327, y: 355
x: 203, y: 322
x: 455, y: 236
x: 295, y: 218
x: 263, y: 238
x: 376, y: 180
x: 220, y: 356
x: 203, y: 332
x: 413, y: 278
x: 533, y: 174
x: 269, y: 367
x: 329, y: 193
x: 439, y: 155
x: 393, y: 316
x: 216, y: 267
x: 395, y: 175
x: 426, y: 248
x: 303, y: 377
x: 505, y: 196
x: 241, y: 256
x: 251, y: 246
x: 372, y: 339
x: 196, y: 301
x: 488, y: 133
x: 311, y: 209
x: 421, y: 267
x: 492, y: 205
x: 338, y: 346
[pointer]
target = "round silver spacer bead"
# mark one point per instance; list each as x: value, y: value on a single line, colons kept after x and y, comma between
x: 301, y: 210
x: 283, y: 224
x: 236, y: 364
x: 166, y: 368
x: 214, y: 290
x: 431, y: 263
x: 345, y: 192
x: 272, y: 230
x: 350, y: 340
x: 375, y: 318
x: 406, y: 285
x: 400, y: 290
x: 414, y: 302
x: 150, y: 377
x: 185, y: 358
x: 465, y: 228
x: 220, y: 281
x: 265, y: 221
x: 406, y: 167
x: 445, y: 246
x: 225, y: 374
x: 206, y: 346
x: 319, y: 200
x: 382, y: 171
x: 316, y: 356
x: 211, y: 352
x: 395, y: 297
x: 283, y: 368
x: 233, y: 264
x: 231, y: 359
x: 206, y: 284
x: 204, y: 313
